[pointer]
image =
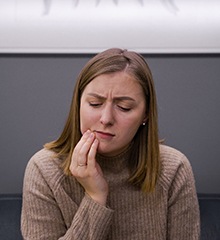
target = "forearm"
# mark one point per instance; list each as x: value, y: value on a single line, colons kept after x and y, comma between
x: 92, y: 221
x: 51, y: 212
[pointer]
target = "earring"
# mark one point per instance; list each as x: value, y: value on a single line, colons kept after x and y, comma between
x: 144, y: 123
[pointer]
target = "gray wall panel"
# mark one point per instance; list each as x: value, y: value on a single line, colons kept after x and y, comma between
x: 35, y: 94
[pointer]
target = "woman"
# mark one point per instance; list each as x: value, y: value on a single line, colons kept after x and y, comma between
x: 107, y: 176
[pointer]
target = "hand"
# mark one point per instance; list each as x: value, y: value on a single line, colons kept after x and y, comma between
x: 86, y: 170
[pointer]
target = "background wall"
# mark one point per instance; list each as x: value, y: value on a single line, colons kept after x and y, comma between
x: 35, y: 94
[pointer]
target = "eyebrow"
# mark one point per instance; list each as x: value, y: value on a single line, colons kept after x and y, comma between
x: 121, y: 98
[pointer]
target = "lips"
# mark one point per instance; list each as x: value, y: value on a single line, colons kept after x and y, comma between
x: 104, y: 135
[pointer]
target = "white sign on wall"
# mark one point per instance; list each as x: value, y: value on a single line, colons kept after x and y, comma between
x: 90, y: 26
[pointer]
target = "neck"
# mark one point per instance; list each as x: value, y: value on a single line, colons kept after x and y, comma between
x: 115, y: 163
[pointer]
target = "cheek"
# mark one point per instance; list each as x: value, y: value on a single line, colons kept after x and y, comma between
x: 87, y: 119
x: 130, y: 127
x: 83, y: 120
x: 135, y: 120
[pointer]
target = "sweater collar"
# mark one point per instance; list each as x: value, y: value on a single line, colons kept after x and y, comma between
x: 115, y: 163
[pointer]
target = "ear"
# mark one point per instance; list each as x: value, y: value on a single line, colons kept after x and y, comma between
x: 145, y: 118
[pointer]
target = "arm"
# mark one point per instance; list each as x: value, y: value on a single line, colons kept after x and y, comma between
x: 87, y: 171
x: 183, y: 208
x: 45, y: 215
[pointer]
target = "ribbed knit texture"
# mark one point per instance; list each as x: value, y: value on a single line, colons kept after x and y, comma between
x: 56, y: 207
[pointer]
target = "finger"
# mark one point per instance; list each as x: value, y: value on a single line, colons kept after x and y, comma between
x: 80, y: 156
x: 87, y: 144
x: 82, y: 141
x: 78, y: 147
x: 91, y: 163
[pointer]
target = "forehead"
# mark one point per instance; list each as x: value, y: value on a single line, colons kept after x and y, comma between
x: 119, y: 83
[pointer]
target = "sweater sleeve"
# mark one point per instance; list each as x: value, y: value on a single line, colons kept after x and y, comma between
x: 183, y: 208
x: 42, y: 218
x: 92, y: 221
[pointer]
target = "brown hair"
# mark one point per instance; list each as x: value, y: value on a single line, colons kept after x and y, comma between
x: 145, y: 162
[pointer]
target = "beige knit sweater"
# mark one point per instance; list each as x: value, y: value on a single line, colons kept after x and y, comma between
x: 55, y: 206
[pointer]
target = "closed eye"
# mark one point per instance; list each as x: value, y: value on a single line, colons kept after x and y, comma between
x: 98, y: 104
x: 95, y: 104
x: 124, y: 109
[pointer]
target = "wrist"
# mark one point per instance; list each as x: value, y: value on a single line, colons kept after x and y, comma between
x: 100, y: 199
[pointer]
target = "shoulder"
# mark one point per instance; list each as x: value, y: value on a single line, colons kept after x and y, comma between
x: 45, y: 159
x: 170, y: 155
x: 174, y: 165
x: 44, y: 165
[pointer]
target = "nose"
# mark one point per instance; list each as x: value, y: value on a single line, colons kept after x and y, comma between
x: 107, y: 116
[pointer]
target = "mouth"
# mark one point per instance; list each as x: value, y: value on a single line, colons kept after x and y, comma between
x: 104, y: 135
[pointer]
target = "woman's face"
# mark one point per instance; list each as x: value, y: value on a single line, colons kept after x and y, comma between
x: 113, y: 107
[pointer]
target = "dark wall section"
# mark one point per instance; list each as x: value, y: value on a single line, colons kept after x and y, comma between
x: 35, y: 95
